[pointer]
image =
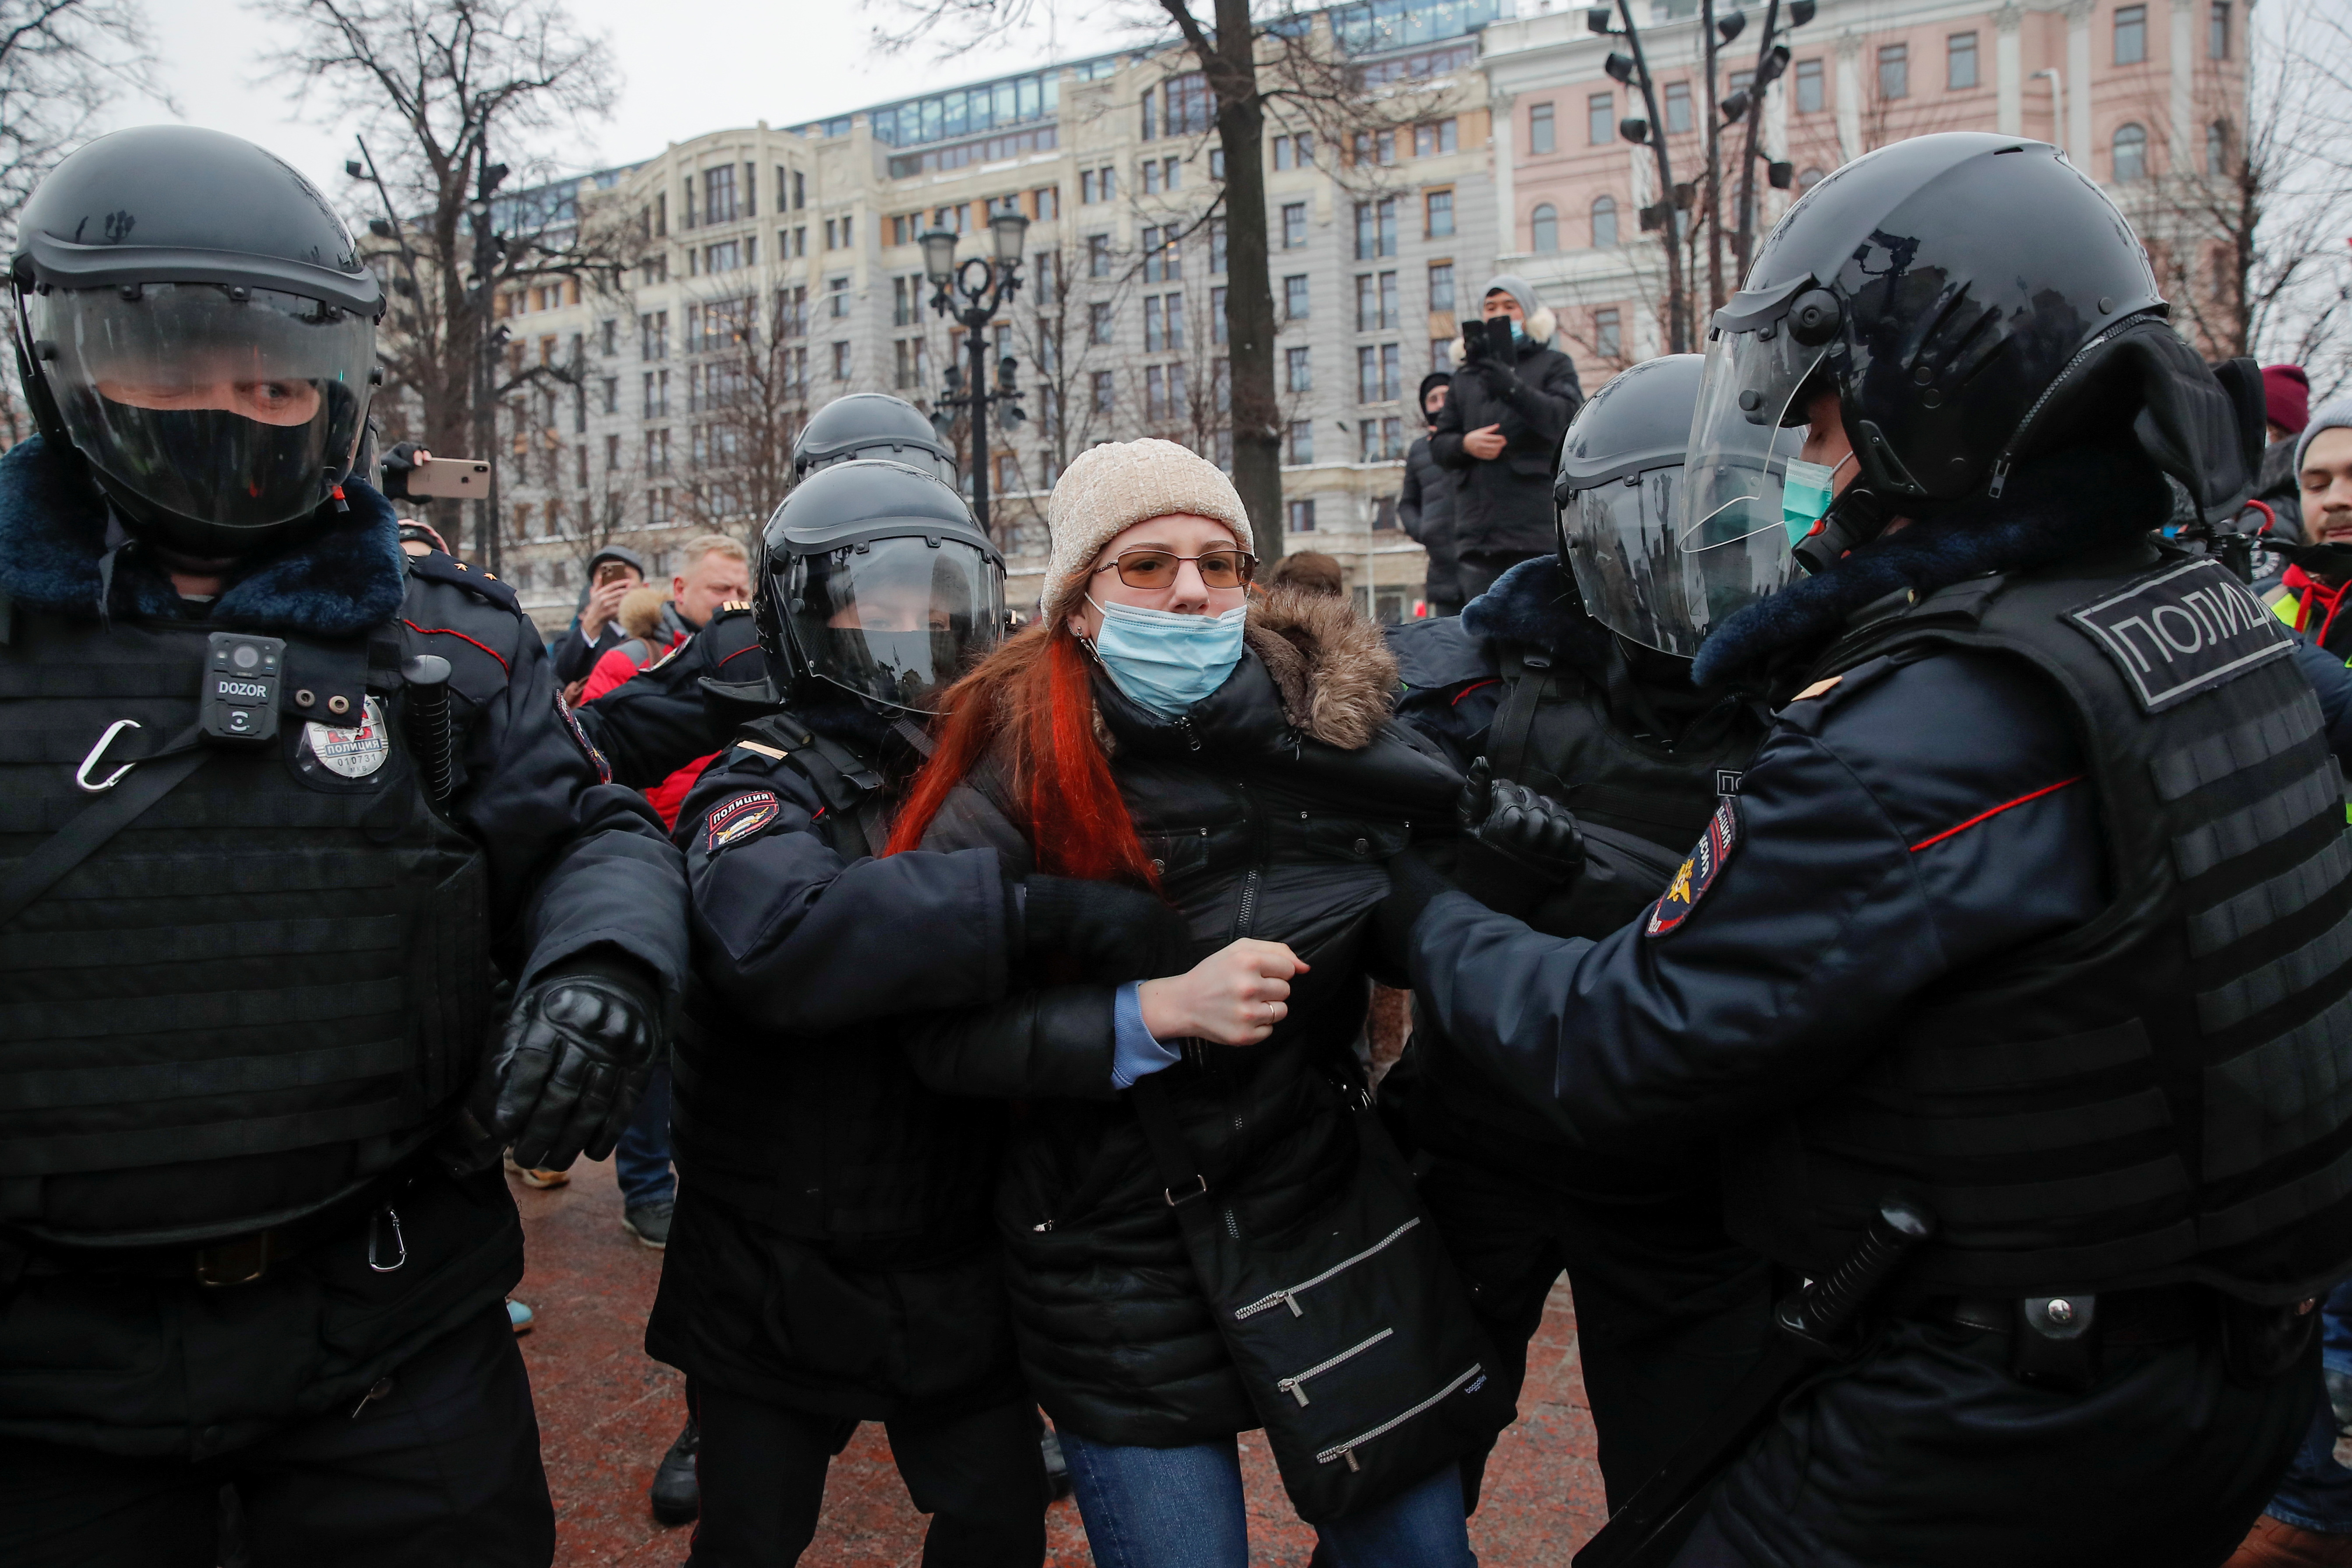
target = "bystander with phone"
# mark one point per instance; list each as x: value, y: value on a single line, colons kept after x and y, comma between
x: 1500, y: 428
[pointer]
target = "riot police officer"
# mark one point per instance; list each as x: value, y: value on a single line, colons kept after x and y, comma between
x: 833, y: 1259
x: 1571, y: 676
x: 288, y: 811
x: 871, y: 425
x: 2025, y: 930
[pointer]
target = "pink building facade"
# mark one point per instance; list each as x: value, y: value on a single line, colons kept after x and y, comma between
x: 2145, y: 96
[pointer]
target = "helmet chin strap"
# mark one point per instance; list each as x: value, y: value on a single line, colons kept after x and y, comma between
x: 1856, y: 518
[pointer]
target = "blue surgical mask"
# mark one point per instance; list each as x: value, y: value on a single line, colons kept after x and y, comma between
x: 1165, y: 661
x: 1518, y: 331
x: 1806, y: 494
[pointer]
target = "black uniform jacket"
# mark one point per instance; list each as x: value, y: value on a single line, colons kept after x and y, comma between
x: 832, y: 1249
x: 1268, y: 809
x: 662, y: 718
x: 152, y: 1364
x: 1503, y: 504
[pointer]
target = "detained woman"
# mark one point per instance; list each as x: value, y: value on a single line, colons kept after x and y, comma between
x: 1162, y: 727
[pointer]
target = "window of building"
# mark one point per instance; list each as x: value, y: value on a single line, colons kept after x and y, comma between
x: 1163, y: 258
x: 656, y: 451
x: 1298, y: 447
x: 1809, y: 86
x: 1434, y: 138
x: 1294, y: 225
x: 2131, y: 34
x: 718, y: 195
x: 1601, y: 119
x: 1097, y: 185
x: 1441, y: 354
x: 612, y: 452
x: 2217, y: 148
x: 2130, y: 153
x: 1438, y: 208
x: 611, y: 401
x: 841, y: 361
x: 608, y: 336
x: 1895, y: 71
x: 1295, y: 152
x: 1605, y: 223
x: 800, y: 190
x: 1098, y: 256
x: 1608, y: 335
x: 1045, y: 277
x: 1297, y: 370
x: 653, y: 335
x: 1163, y: 322
x: 1152, y: 176
x: 792, y: 312
x: 1440, y: 286
x: 1959, y: 62
x: 1098, y: 324
x: 1376, y: 228
x: 1295, y: 299
x: 1376, y: 147
x: 1543, y: 229
x: 1298, y: 516
x: 1217, y: 248
x: 836, y: 297
x: 1046, y: 203
x: 1542, y: 135
x: 1105, y: 392
x: 2217, y: 31
x: 1389, y: 309
x: 1218, y: 333
x: 1678, y: 107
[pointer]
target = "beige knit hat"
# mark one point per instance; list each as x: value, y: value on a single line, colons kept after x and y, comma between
x: 1111, y: 487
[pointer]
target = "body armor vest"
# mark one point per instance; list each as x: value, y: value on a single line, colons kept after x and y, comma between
x: 266, y: 991
x: 2164, y: 1094
x: 824, y: 1138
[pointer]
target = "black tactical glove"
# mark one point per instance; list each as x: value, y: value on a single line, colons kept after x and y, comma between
x: 579, y: 1047
x: 1514, y: 821
x: 399, y: 462
x: 1115, y: 933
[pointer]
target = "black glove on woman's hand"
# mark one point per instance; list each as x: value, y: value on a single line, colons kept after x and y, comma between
x: 579, y: 1047
x: 1116, y: 933
x: 1514, y: 821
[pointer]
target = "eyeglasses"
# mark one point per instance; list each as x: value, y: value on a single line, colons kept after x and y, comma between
x: 1157, y: 568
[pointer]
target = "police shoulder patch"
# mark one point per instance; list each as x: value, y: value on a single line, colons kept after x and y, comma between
x: 1698, y: 873
x: 741, y: 816
x: 2184, y: 630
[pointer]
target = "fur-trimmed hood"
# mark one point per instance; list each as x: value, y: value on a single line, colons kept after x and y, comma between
x: 336, y: 582
x: 1331, y: 666
x: 2058, y: 506
x: 1536, y: 605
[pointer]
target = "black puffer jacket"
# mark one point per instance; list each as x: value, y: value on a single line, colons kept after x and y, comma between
x: 1425, y: 507
x: 1270, y: 807
x: 1503, y: 505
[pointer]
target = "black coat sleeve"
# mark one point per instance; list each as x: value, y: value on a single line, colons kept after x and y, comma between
x: 1052, y: 1043
x: 1907, y: 825
x: 1446, y: 438
x: 1549, y: 401
x: 2333, y: 683
x: 576, y: 862
x: 1409, y: 494
x: 796, y: 938
x: 658, y: 719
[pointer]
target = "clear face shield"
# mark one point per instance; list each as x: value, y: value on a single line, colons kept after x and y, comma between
x: 896, y: 620
x: 236, y: 412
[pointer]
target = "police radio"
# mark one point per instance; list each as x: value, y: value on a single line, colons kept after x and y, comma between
x: 243, y: 674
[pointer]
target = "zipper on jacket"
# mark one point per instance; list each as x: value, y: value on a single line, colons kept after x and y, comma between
x: 1247, y: 913
x: 1185, y: 727
x: 1289, y: 1297
x: 1347, y: 1450
x: 1294, y: 1385
x: 2017, y: 436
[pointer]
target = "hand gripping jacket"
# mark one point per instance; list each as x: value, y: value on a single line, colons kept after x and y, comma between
x: 268, y: 989
x: 2166, y: 1093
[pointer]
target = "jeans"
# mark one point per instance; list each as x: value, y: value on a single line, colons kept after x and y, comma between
x: 2317, y: 1492
x: 1182, y: 1508
x: 641, y: 1159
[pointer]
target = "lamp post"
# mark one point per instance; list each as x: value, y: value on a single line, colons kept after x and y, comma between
x: 1748, y: 103
x: 986, y: 285
x: 1634, y: 70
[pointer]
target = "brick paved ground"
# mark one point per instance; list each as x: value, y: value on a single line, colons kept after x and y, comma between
x: 607, y: 1413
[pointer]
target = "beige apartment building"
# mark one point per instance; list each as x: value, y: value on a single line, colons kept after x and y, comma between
x: 2143, y: 95
x: 796, y: 249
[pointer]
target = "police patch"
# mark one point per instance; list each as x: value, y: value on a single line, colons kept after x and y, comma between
x: 2181, y: 632
x: 571, y: 722
x: 734, y: 820
x: 1698, y: 873
x: 354, y: 752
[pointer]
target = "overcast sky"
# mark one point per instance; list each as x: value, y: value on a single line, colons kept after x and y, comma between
x: 687, y: 67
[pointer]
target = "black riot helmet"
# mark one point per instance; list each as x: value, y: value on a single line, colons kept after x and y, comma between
x: 875, y: 579
x: 871, y: 425
x: 1973, y: 300
x: 196, y: 322
x: 1619, y: 482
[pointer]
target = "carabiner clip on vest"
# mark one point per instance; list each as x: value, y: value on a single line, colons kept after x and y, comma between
x: 374, y: 1236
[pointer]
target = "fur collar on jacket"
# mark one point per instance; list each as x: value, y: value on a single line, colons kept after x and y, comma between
x: 1331, y: 666
x: 337, y: 582
x: 1535, y: 605
x: 2059, y: 506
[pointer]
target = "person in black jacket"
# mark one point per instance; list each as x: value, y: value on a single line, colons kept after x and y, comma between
x: 1426, y: 504
x: 1500, y: 431
x: 1246, y: 765
x: 1989, y: 929
x: 1571, y: 676
x: 830, y: 1259
x: 288, y: 812
x: 596, y: 630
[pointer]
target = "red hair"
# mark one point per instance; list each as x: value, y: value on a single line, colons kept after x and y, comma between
x: 1032, y: 703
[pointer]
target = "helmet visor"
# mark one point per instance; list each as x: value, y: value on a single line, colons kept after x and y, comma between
x: 239, y: 414
x: 896, y: 619
x: 1622, y: 544
x: 1739, y: 461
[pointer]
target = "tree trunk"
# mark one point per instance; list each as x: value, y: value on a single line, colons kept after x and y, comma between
x: 1232, y: 72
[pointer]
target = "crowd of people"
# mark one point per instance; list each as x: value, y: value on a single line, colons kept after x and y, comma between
x: 1868, y: 862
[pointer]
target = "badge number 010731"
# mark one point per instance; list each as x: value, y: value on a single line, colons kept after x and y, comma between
x: 1697, y: 874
